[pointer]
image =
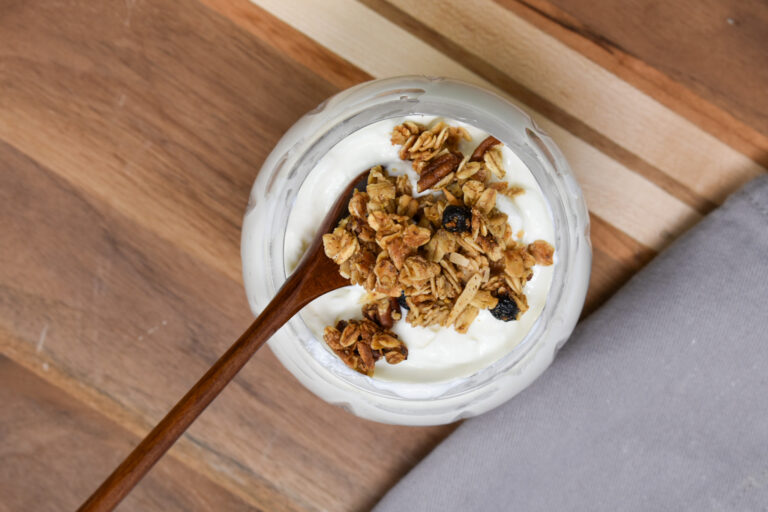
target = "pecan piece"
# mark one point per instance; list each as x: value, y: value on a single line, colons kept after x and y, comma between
x: 366, y: 359
x: 390, y: 313
x: 488, y: 142
x: 438, y: 169
x: 384, y: 312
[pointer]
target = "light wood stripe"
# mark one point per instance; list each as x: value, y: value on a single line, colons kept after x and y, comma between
x: 584, y: 89
x: 355, y: 32
x: 616, y: 255
x: 448, y: 46
x: 625, y: 199
x: 723, y: 124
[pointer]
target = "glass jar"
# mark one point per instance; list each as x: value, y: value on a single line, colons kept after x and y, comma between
x: 275, y: 191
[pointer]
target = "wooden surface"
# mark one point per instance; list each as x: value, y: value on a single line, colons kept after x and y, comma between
x: 131, y: 131
x: 315, y: 275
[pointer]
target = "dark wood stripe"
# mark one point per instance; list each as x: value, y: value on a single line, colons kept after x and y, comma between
x: 571, y: 123
x: 616, y: 258
x: 290, y: 42
x: 81, y: 283
x: 167, y: 118
x: 721, y: 110
x: 55, y: 450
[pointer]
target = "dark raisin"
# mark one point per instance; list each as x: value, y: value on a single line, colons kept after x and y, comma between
x: 457, y: 219
x: 506, y: 309
x: 402, y: 302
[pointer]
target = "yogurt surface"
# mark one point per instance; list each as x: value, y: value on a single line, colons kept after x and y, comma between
x: 435, y: 354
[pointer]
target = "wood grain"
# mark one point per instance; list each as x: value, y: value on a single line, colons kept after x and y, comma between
x: 642, y: 210
x: 130, y: 133
x: 114, y: 304
x: 611, y: 106
x: 315, y: 275
x: 675, y: 95
x: 611, y: 267
x: 478, y: 64
x: 133, y: 113
x: 291, y: 43
x: 116, y: 251
x: 52, y: 447
x: 615, y: 259
x: 718, y: 49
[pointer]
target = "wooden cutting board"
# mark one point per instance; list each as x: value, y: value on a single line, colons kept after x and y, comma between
x: 131, y: 131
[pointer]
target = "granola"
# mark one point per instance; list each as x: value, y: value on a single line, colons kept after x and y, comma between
x: 360, y: 343
x: 443, y: 253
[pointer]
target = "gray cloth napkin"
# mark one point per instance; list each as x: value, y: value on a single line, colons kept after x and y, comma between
x: 659, y: 401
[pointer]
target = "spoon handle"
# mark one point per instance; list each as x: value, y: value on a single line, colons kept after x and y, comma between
x: 315, y: 275
x: 285, y: 304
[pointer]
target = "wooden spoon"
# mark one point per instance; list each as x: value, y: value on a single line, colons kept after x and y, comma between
x: 315, y: 276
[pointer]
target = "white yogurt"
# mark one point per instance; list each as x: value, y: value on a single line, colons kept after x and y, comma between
x: 435, y: 354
